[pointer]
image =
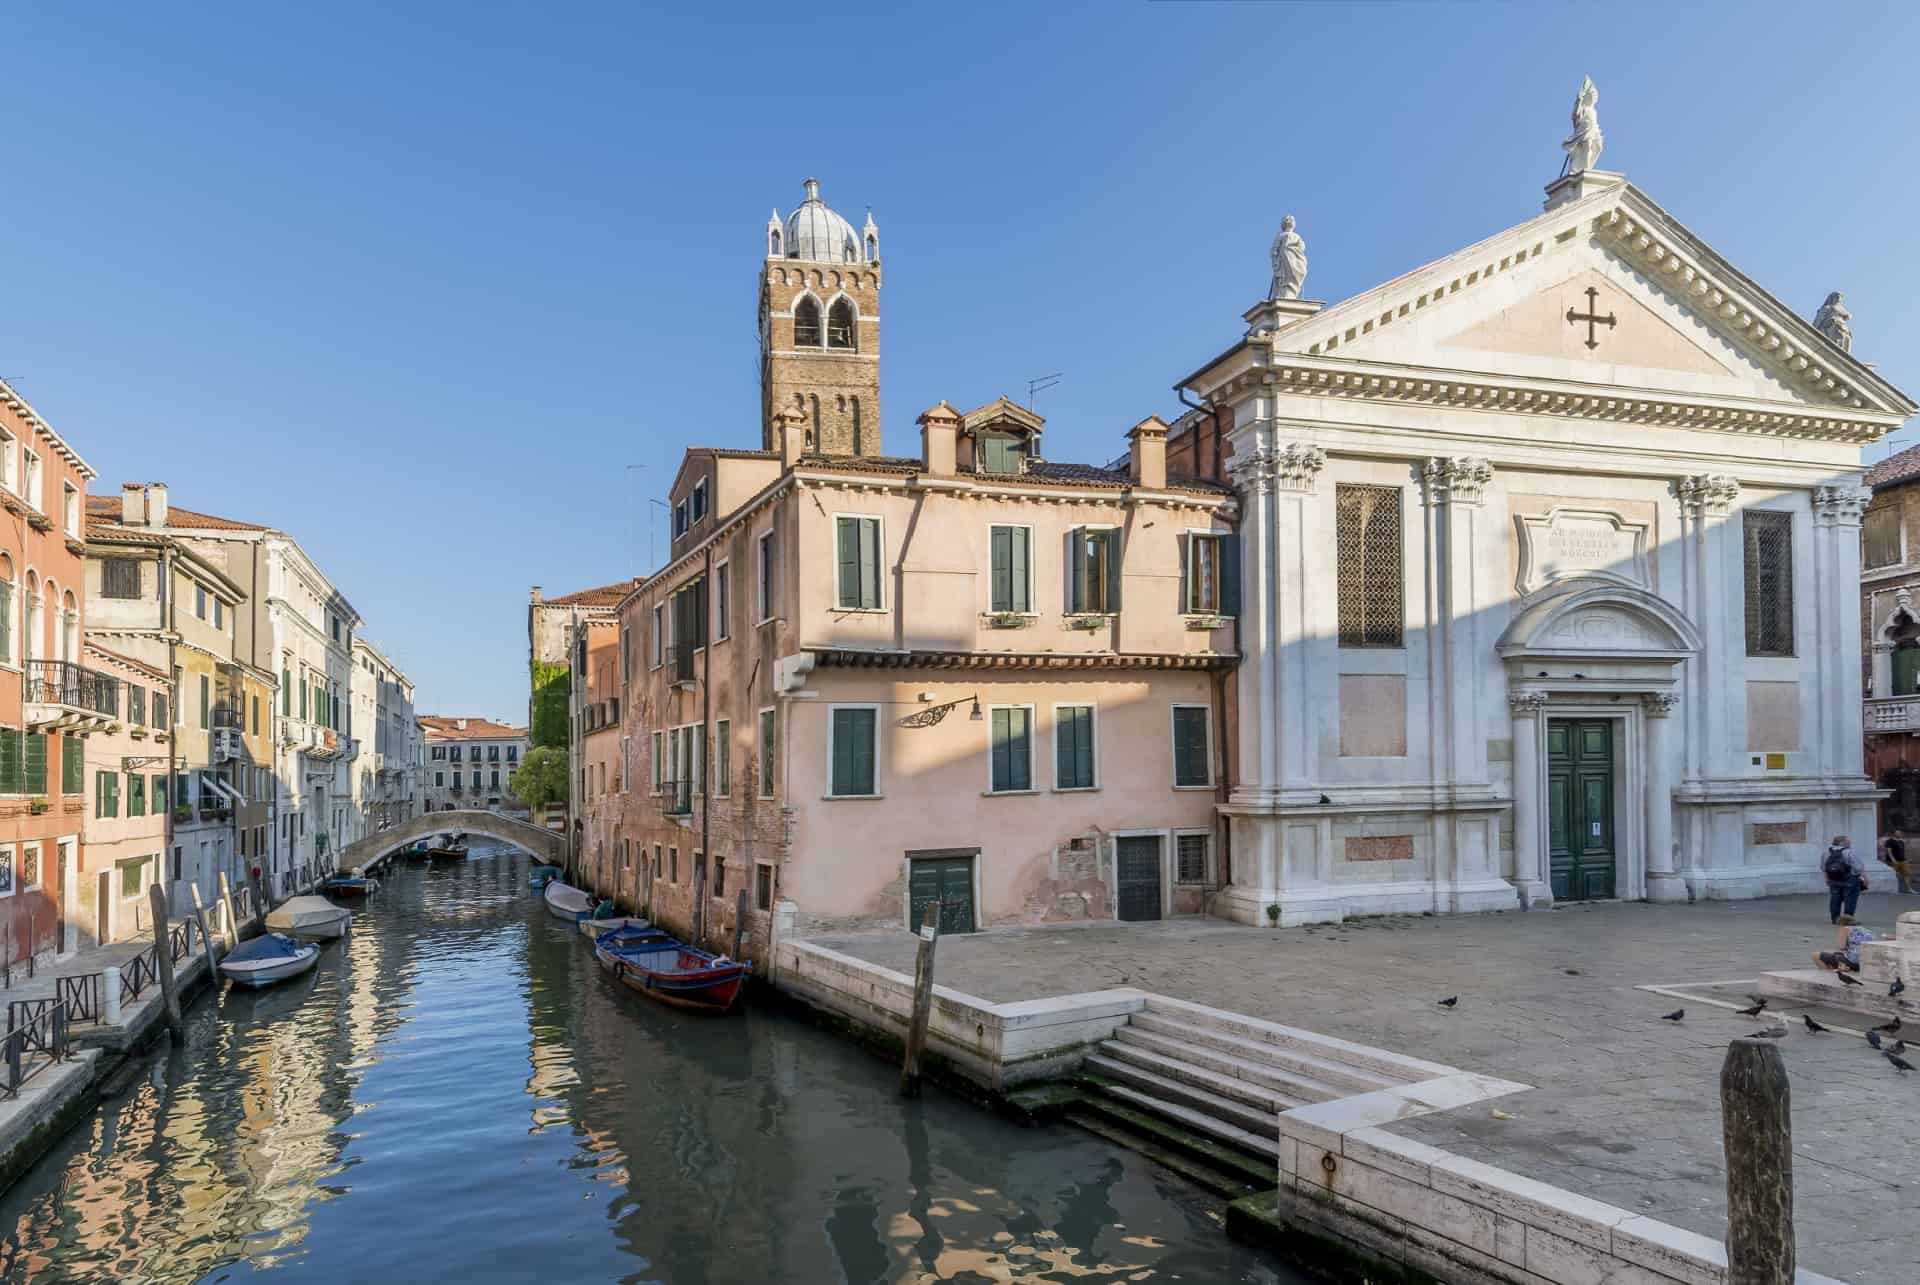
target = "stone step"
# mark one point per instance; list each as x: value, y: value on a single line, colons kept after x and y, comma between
x: 1259, y: 1144
x: 1205, y: 1176
x: 1341, y: 1076
x: 1393, y: 1068
x: 1297, y: 1089
x: 1251, y: 1169
x: 1177, y: 1064
x: 1240, y: 1115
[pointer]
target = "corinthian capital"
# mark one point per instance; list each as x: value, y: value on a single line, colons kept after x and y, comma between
x: 1840, y: 505
x: 1705, y: 495
x: 1456, y: 479
x: 1526, y: 703
x: 1292, y: 467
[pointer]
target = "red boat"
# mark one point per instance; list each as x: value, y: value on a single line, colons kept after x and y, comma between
x: 675, y: 973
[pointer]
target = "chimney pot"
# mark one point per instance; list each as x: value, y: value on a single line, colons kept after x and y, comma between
x: 939, y: 439
x: 1147, y: 456
x: 156, y: 504
x: 133, y: 504
x: 790, y: 426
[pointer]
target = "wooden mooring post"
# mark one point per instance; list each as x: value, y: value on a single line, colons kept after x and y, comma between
x: 163, y: 956
x: 206, y: 939
x: 922, y: 1001
x: 1756, y: 1118
x: 260, y: 906
x: 232, y: 925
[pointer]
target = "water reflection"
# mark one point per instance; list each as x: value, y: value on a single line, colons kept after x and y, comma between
x: 456, y: 1087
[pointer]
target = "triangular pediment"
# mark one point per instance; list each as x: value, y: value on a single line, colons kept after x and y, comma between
x: 1676, y: 319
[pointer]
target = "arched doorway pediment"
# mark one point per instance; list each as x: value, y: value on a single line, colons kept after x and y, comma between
x: 1598, y: 619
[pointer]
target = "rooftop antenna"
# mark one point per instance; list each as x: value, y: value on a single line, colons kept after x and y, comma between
x: 631, y: 469
x: 1041, y: 385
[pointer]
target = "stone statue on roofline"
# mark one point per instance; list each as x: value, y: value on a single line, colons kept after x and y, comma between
x: 1289, y: 262
x: 1583, y: 146
x: 1832, y: 320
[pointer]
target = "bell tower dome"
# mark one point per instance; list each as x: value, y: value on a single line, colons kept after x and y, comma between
x: 820, y: 328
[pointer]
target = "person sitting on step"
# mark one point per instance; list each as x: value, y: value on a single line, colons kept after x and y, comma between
x: 1848, y: 940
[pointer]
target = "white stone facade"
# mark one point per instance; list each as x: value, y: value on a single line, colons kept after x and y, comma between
x: 386, y: 773
x: 468, y: 762
x: 1573, y: 506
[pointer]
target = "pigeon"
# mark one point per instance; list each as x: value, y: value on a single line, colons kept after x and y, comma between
x: 1674, y: 1016
x: 1771, y: 1033
x: 1847, y: 979
x: 1761, y: 1000
x: 1873, y: 1038
x: 1449, y: 1001
x: 1813, y: 1027
x: 1899, y: 984
x: 1899, y: 1046
x: 1325, y: 801
x: 1754, y: 1011
x: 1899, y: 1063
x: 1889, y: 1027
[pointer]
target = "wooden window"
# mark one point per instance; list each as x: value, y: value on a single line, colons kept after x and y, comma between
x: 722, y: 582
x: 1369, y: 570
x: 200, y: 601
x: 1190, y: 858
x: 723, y: 756
x: 73, y: 765
x: 851, y: 751
x: 106, y: 794
x: 859, y: 560
x: 719, y: 880
x: 6, y: 614
x: 286, y: 694
x: 673, y: 865
x: 1093, y: 570
x: 806, y: 323
x: 763, y: 887
x: 159, y: 792
x: 1012, y: 583
x: 1880, y: 536
x: 1073, y: 747
x: 1000, y: 454
x: 1191, y: 746
x: 840, y: 329
x: 159, y: 710
x: 1768, y: 541
x: 1210, y: 573
x: 137, y: 704
x: 136, y: 795
x: 658, y: 766
x: 766, y: 753
x: 699, y: 500
x: 34, y: 753
x: 765, y: 588
x: 133, y: 877
x: 120, y: 577
x: 206, y: 701
x: 1012, y: 749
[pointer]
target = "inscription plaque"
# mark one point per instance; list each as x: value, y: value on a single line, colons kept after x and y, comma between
x: 1596, y: 544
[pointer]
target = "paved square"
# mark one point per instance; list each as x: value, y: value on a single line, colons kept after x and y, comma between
x: 1626, y: 1107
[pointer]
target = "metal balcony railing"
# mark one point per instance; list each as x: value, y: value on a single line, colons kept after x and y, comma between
x: 230, y: 716
x: 62, y: 682
x: 676, y: 798
x: 681, y: 661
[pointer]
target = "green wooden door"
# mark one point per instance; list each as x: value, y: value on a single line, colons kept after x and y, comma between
x: 947, y: 876
x: 1580, y: 843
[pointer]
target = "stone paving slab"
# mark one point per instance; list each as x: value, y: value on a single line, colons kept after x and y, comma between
x: 1625, y: 1107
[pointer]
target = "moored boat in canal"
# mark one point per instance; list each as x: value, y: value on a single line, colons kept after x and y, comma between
x: 567, y: 902
x: 446, y: 847
x: 310, y: 918
x: 345, y: 885
x: 268, y: 958
x: 541, y: 876
x: 673, y: 972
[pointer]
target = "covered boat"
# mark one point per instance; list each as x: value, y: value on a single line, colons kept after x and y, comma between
x: 675, y: 973
x: 635, y: 934
x: 268, y: 958
x: 568, y: 902
x: 349, y: 885
x: 311, y: 918
x: 541, y: 876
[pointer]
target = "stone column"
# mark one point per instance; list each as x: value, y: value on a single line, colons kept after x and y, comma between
x: 1705, y: 501
x: 1663, y: 882
x: 1529, y: 856
x: 1837, y: 511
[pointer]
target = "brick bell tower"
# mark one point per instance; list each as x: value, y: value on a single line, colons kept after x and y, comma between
x: 820, y: 328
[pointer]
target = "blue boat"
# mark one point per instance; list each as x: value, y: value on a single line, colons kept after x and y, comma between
x: 267, y: 959
x: 635, y: 935
x: 349, y: 885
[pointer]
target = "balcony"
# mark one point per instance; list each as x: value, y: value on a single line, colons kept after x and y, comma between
x: 676, y: 798
x: 1891, y: 715
x: 63, y: 696
x: 228, y: 716
x: 680, y: 661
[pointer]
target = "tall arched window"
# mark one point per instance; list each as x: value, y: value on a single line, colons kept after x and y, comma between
x: 6, y: 609
x: 69, y: 628
x: 806, y: 323
x: 31, y: 641
x: 840, y: 324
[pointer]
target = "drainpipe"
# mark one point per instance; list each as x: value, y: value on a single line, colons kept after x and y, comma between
x: 1223, y: 788
x: 165, y: 588
x: 706, y: 757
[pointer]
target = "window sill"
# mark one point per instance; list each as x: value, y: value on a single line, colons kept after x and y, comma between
x: 1002, y: 794
x: 1207, y: 786
x: 860, y: 611
x: 1076, y: 789
x: 850, y: 798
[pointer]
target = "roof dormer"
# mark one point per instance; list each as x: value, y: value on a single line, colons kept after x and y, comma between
x: 1000, y: 437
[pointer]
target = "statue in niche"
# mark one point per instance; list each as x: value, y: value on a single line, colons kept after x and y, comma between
x: 1289, y: 262
x: 1583, y: 147
x: 1832, y: 320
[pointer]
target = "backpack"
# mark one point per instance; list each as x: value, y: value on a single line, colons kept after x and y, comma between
x: 1836, y: 867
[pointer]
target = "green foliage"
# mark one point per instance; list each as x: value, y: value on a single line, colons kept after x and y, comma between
x: 552, y: 685
x: 541, y: 777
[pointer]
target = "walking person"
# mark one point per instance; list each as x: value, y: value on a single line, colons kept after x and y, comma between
x: 1846, y: 877
x: 1893, y: 852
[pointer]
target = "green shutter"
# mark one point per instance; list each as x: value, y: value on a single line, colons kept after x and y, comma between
x: 6, y: 621
x: 159, y: 792
x: 286, y: 692
x: 1019, y: 579
x: 1230, y: 573
x: 13, y: 777
x: 205, y: 701
x: 1012, y: 764
x: 1073, y: 748
x: 1077, y: 570
x: 1002, y: 550
x: 848, y: 535
x: 1190, y: 746
x: 36, y: 757
x: 1111, y: 539
x: 852, y: 751
x: 73, y: 768
x: 863, y: 750
x: 136, y: 795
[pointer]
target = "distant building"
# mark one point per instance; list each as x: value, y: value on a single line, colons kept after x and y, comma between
x: 1890, y: 638
x: 386, y: 774
x: 468, y: 763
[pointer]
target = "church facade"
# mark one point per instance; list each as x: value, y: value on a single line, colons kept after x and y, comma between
x: 1551, y: 569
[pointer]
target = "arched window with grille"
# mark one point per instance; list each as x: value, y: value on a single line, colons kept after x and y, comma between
x: 840, y: 324
x: 806, y: 323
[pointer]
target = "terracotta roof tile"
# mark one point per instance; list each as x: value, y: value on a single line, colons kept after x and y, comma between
x: 106, y: 509
x: 1903, y: 466
x: 439, y: 728
x: 606, y: 595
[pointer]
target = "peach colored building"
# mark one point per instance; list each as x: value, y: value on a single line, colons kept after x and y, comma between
x: 597, y: 775
x: 865, y: 682
x: 124, y: 835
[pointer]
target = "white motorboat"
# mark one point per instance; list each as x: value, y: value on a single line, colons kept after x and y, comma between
x: 310, y: 919
x: 567, y: 902
x: 267, y: 959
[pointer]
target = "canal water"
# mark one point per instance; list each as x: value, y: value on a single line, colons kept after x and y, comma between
x: 457, y: 1092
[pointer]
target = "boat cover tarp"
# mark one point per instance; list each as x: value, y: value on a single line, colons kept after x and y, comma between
x: 567, y: 897
x: 264, y: 947
x: 304, y: 912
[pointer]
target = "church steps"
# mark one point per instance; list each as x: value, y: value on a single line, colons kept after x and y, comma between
x: 1340, y: 1076
x: 1212, y: 1166
x: 1264, y: 1144
x: 1178, y: 1090
x: 1272, y: 1086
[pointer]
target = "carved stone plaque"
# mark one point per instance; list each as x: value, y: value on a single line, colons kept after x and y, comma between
x: 1597, y: 544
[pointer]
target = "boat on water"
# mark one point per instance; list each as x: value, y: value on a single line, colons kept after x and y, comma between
x: 310, y: 919
x: 675, y: 973
x: 635, y: 934
x: 447, y: 846
x: 541, y: 876
x: 568, y: 902
x: 417, y: 850
x: 268, y: 958
x: 349, y: 885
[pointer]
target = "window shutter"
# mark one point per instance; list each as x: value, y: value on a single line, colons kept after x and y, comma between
x: 12, y: 773
x: 842, y: 751
x: 1113, y: 570
x: 849, y: 553
x: 1002, y: 753
x: 869, y: 562
x: 1019, y: 749
x: 1020, y: 571
x: 6, y: 621
x: 1003, y: 568
x: 36, y: 758
x: 1186, y: 571
x: 863, y: 747
x: 73, y: 769
x: 1077, y: 570
x: 1230, y: 573
x: 1083, y: 746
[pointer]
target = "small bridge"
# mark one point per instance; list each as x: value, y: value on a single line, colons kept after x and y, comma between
x: 364, y: 856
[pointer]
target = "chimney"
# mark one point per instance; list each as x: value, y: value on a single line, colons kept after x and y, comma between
x: 156, y: 504
x: 939, y: 439
x: 460, y: 723
x: 1147, y: 457
x: 790, y: 428
x: 133, y: 504
x: 533, y: 595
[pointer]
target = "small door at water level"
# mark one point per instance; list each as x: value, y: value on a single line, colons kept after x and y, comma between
x: 1580, y: 847
x: 950, y: 879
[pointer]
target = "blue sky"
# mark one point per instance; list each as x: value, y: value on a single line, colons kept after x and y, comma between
x: 419, y: 284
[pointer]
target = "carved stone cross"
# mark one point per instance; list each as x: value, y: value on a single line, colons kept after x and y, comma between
x: 1592, y: 317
